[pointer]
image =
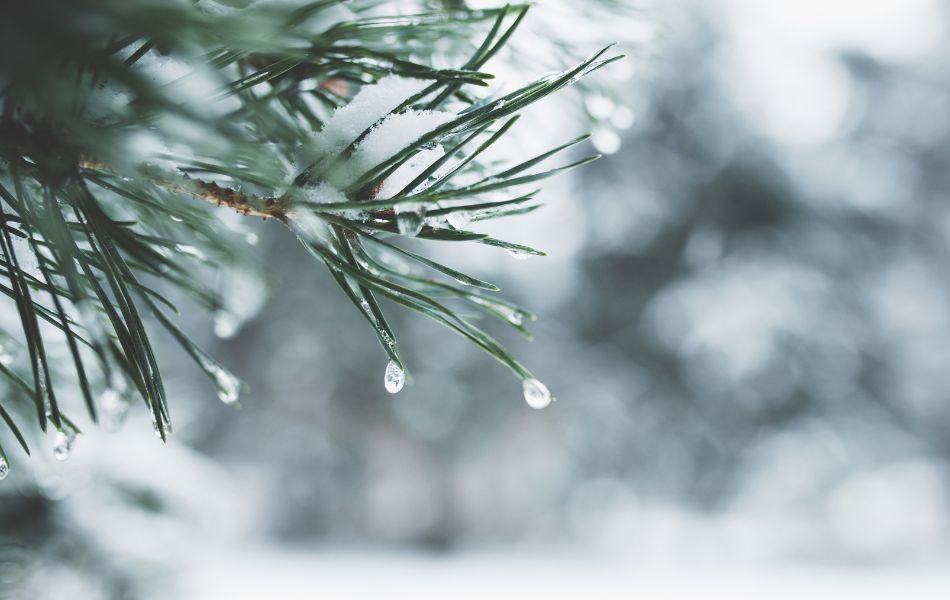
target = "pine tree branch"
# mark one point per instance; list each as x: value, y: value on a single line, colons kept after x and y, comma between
x: 90, y: 117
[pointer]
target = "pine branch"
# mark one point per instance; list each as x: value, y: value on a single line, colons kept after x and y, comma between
x: 124, y: 121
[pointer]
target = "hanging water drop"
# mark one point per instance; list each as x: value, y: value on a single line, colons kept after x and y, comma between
x: 229, y: 386
x: 536, y: 394
x: 63, y: 444
x: 394, y: 378
x: 518, y: 254
x: 165, y: 424
x: 112, y: 410
x: 4, y: 468
x: 410, y: 218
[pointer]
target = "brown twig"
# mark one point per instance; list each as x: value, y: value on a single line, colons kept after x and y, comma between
x: 209, y: 191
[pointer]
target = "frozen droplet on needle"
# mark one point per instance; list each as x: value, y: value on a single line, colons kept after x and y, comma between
x: 536, y: 394
x: 394, y: 377
x: 63, y: 444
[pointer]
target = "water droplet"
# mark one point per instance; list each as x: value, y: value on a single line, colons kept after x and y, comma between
x: 410, y: 218
x: 166, y: 425
x: 226, y: 324
x: 536, y: 394
x: 4, y: 468
x: 229, y: 386
x: 394, y: 378
x: 63, y: 444
x: 518, y: 254
x: 112, y: 410
x: 44, y: 390
x: 513, y: 317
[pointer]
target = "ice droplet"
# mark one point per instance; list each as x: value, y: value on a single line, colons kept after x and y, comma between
x: 409, y: 218
x: 4, y: 468
x: 63, y: 444
x: 112, y: 409
x: 518, y: 254
x: 536, y: 394
x: 394, y: 378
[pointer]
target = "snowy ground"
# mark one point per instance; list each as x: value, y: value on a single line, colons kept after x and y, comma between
x: 303, y: 574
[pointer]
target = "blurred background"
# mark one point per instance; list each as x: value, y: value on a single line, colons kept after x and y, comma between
x: 745, y: 317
